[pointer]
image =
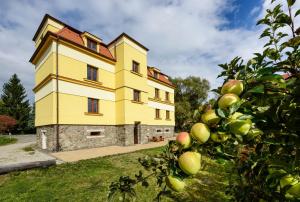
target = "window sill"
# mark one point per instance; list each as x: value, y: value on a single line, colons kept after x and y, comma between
x: 95, y: 136
x: 92, y: 81
x: 168, y: 119
x: 157, y: 118
x: 93, y: 114
x: 136, y: 73
x: 137, y: 102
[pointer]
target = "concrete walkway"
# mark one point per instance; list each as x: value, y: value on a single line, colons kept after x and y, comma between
x: 13, y: 157
x: 72, y: 156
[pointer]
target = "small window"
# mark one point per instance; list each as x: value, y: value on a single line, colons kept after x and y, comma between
x: 92, y: 73
x: 158, y: 130
x: 92, y: 44
x: 157, y: 113
x: 137, y: 95
x: 167, y: 114
x: 95, y: 133
x: 135, y: 66
x: 156, y: 93
x: 93, y: 105
x: 167, y: 96
x: 167, y: 130
x: 155, y: 74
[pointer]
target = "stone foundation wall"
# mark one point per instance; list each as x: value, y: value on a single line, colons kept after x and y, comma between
x: 72, y: 137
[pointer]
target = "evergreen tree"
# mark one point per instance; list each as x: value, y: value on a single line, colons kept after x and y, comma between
x: 15, y: 103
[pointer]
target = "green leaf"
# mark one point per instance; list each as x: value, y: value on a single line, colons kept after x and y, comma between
x: 291, y: 2
x: 221, y: 113
x: 257, y: 89
x: 297, y: 13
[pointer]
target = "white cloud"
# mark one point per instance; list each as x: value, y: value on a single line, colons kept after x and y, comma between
x: 184, y: 37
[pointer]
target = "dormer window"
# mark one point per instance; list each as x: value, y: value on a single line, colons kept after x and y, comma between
x: 155, y: 74
x: 91, y: 44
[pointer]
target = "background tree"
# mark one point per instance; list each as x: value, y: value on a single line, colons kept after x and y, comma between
x: 15, y: 103
x: 190, y: 93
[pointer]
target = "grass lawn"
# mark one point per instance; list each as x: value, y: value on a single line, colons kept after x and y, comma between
x: 7, y: 140
x: 88, y: 180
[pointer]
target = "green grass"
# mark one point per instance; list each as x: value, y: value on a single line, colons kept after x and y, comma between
x: 88, y: 180
x: 7, y: 140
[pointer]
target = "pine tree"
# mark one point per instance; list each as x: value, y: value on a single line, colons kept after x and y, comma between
x: 15, y: 103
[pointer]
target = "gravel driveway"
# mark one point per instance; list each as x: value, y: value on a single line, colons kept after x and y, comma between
x: 13, y: 155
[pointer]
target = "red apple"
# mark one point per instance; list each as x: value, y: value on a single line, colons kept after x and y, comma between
x: 227, y: 100
x: 175, y: 183
x: 190, y: 162
x: 210, y: 117
x: 232, y: 86
x: 184, y: 139
x: 200, y: 132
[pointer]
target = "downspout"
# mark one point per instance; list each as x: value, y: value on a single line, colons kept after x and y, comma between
x: 57, y: 99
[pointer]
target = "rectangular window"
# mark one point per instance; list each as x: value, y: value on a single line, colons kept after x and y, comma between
x: 137, y: 95
x: 135, y: 66
x: 156, y: 93
x: 92, y: 44
x: 157, y: 113
x: 167, y: 96
x: 155, y: 74
x: 95, y: 133
x: 93, y: 105
x: 92, y: 73
x: 167, y: 114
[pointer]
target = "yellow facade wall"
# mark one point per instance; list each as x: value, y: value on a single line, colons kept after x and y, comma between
x: 44, y: 110
x: 47, y: 27
x: 75, y: 69
x: 48, y: 67
x: 73, y: 109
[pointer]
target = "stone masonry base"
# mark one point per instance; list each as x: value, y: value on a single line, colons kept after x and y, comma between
x: 72, y: 137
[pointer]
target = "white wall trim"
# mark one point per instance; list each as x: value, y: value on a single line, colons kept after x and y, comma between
x: 159, y: 86
x: 157, y: 105
x: 74, y: 89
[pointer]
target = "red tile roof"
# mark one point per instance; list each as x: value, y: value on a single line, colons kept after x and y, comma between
x: 75, y: 37
x: 161, y: 77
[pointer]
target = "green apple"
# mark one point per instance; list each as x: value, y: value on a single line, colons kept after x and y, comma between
x: 200, y: 132
x: 227, y: 100
x: 240, y: 127
x: 190, y: 162
x: 294, y: 190
x: 210, y: 117
x: 175, y: 183
x: 233, y: 86
x: 219, y: 137
x: 287, y: 180
x: 184, y: 139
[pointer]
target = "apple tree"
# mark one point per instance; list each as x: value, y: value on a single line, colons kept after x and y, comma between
x: 255, y: 124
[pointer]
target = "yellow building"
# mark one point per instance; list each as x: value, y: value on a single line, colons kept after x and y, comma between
x: 91, y: 94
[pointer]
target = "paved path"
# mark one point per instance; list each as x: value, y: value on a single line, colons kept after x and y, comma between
x: 13, y: 157
x: 71, y: 156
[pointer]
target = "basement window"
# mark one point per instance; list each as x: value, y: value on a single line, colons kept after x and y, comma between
x: 167, y: 130
x: 95, y: 133
x: 159, y: 130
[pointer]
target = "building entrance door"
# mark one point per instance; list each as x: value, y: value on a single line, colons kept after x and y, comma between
x: 136, y: 132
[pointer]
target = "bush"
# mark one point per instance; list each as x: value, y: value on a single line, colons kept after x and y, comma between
x: 6, y: 123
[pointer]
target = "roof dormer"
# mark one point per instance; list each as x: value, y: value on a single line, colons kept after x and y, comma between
x: 91, y: 41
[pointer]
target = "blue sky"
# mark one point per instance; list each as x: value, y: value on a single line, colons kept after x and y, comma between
x: 185, y: 37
